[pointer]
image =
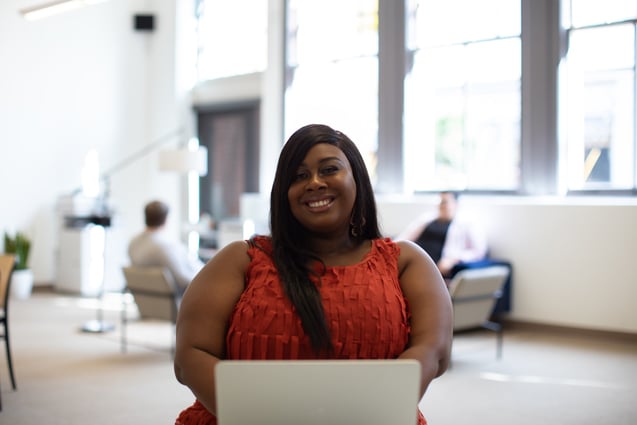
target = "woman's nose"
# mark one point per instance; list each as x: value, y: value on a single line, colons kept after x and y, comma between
x: 316, y: 182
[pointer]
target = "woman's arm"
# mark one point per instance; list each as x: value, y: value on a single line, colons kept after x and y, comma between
x: 203, y: 317
x: 431, y: 312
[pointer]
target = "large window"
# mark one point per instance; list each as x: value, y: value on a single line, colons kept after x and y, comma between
x: 232, y: 37
x: 332, y: 69
x: 462, y: 95
x: 526, y: 96
x: 598, y: 86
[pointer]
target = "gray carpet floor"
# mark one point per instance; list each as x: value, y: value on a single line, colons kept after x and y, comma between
x: 67, y: 377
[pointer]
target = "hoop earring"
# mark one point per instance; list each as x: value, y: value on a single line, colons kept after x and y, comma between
x: 356, y: 230
x: 352, y: 227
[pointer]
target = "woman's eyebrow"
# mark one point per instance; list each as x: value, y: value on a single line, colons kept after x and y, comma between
x: 322, y: 160
x: 330, y: 158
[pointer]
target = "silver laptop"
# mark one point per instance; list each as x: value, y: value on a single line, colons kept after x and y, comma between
x: 317, y: 392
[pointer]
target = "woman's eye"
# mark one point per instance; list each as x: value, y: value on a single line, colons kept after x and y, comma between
x: 329, y: 170
x: 300, y: 175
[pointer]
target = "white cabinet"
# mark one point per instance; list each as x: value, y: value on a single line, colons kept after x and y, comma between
x: 80, y: 263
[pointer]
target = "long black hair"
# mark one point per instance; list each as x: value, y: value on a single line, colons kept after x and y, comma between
x: 289, y: 238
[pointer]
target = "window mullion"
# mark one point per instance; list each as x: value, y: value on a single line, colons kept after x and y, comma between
x: 540, y: 58
x: 392, y: 64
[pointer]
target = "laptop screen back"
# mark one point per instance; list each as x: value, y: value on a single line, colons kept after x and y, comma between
x: 317, y: 392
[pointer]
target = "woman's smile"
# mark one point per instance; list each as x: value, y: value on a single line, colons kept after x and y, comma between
x: 320, y: 204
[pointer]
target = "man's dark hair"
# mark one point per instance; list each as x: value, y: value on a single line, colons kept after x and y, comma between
x: 291, y: 256
x: 155, y: 214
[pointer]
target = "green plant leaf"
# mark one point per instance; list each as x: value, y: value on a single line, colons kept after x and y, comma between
x: 20, y: 245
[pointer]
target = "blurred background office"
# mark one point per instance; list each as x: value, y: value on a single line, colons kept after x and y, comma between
x: 527, y: 107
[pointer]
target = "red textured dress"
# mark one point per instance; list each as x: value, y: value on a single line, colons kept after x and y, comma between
x: 364, y: 306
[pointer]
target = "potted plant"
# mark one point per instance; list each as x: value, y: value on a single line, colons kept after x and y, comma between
x: 22, y: 279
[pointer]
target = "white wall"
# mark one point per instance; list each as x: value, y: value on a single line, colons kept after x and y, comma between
x: 79, y: 81
x: 573, y: 259
x: 575, y: 262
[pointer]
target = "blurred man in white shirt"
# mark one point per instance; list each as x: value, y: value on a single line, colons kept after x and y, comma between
x: 448, y: 239
x: 153, y: 247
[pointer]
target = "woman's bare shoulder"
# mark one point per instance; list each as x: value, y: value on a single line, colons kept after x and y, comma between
x: 232, y: 259
x: 409, y: 249
x: 413, y: 256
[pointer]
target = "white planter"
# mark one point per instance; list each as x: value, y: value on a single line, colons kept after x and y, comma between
x: 22, y: 284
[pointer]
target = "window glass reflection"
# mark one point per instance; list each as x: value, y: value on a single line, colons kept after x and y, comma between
x: 232, y: 38
x: 462, y: 100
x: 601, y: 110
x: 593, y: 12
x: 332, y: 69
x: 599, y: 81
x: 456, y: 21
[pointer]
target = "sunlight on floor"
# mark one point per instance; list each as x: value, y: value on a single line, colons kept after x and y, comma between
x: 530, y: 379
x: 109, y: 302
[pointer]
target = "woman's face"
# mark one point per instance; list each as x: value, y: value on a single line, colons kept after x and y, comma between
x: 323, y: 192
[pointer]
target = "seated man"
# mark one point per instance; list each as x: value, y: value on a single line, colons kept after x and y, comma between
x: 448, y: 239
x: 153, y: 248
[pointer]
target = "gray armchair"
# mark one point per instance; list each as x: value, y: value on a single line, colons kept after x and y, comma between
x: 156, y: 295
x: 474, y: 294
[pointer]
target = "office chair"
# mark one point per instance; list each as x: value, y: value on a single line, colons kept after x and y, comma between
x: 156, y: 295
x: 474, y: 294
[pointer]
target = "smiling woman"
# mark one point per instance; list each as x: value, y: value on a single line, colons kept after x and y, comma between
x: 324, y: 285
x: 323, y: 191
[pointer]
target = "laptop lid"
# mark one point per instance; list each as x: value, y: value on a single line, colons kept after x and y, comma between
x: 317, y: 392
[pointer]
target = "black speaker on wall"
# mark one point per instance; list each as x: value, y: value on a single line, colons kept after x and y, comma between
x: 144, y: 22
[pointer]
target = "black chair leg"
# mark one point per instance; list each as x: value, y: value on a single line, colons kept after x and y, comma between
x: 497, y: 328
x: 499, y: 347
x: 124, y: 324
x: 9, y: 362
